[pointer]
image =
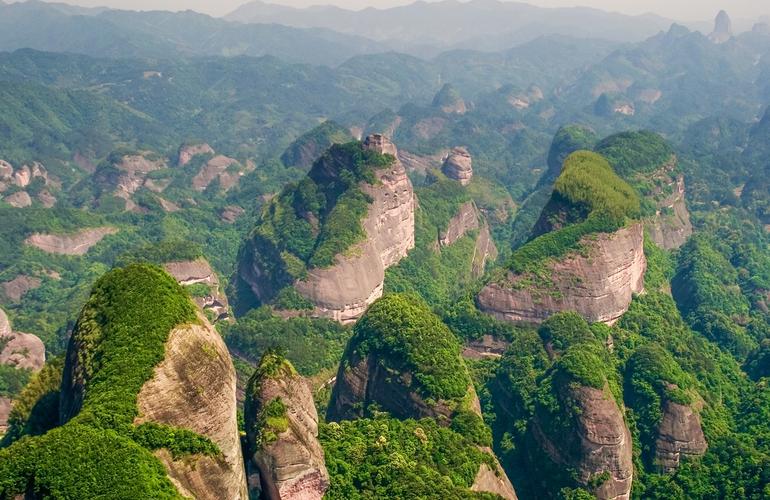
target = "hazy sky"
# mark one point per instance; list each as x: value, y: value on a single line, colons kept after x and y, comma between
x: 686, y: 10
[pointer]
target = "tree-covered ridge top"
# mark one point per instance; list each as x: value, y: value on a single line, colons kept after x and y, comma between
x: 314, y: 220
x: 588, y: 185
x: 402, y: 330
x: 635, y: 152
x: 121, y: 336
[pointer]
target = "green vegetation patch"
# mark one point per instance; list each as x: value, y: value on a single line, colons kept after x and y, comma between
x: 588, y: 183
x: 632, y: 153
x: 390, y: 458
x: 406, y: 335
x: 120, y: 337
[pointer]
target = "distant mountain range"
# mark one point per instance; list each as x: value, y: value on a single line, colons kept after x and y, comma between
x: 478, y: 24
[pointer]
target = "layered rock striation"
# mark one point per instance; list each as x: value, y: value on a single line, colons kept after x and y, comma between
x: 599, y: 282
x: 598, y: 444
x: 354, y: 278
x: 670, y: 227
x: 458, y: 166
x: 680, y: 434
x: 282, y: 433
x: 588, y: 257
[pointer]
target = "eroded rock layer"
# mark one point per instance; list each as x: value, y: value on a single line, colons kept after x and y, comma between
x: 194, y: 388
x: 680, y: 434
x: 598, y: 444
x: 290, y: 461
x: 78, y: 243
x: 344, y: 291
x: 459, y: 166
x: 598, y: 283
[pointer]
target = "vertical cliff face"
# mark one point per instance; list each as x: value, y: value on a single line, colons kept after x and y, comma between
x: 194, y: 388
x: 459, y: 166
x: 282, y: 433
x: 354, y: 280
x: 670, y: 227
x: 587, y: 256
x: 389, y: 364
x: 142, y: 356
x: 199, y: 272
x: 598, y: 444
x: 679, y: 434
x: 598, y: 282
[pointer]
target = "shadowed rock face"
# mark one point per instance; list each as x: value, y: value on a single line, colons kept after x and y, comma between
x: 194, y: 388
x: 723, y: 28
x: 679, y: 434
x: 599, y: 442
x: 599, y: 284
x: 459, y: 166
x: 671, y: 227
x: 344, y: 291
x: 78, y: 243
x: 493, y: 481
x: 292, y: 465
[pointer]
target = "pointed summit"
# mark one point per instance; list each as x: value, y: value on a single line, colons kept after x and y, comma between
x: 723, y: 28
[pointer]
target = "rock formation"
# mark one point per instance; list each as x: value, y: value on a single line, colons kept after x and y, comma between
x: 192, y: 272
x: 189, y: 151
x: 448, y: 100
x: 493, y: 481
x: 132, y: 171
x: 227, y: 171
x: 78, y: 243
x: 598, y: 442
x: 194, y: 388
x: 344, y: 290
x: 469, y: 218
x: 20, y: 350
x: 373, y: 373
x: 282, y: 433
x: 680, y: 434
x: 18, y: 287
x: 598, y: 283
x: 484, y: 251
x: 308, y: 147
x: 21, y: 179
x: 191, y: 386
x: 459, y: 166
x: 723, y: 28
x: 671, y: 227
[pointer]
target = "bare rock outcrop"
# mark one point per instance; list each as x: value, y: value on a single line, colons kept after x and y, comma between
x: 459, y: 166
x: 194, y: 388
x: 344, y: 291
x: 20, y: 350
x: 598, y: 283
x: 193, y: 272
x: 18, y: 287
x: 723, y: 28
x: 680, y: 434
x: 19, y: 199
x: 671, y: 227
x: 78, y: 243
x: 485, y: 250
x: 493, y: 480
x: 227, y: 171
x: 189, y: 151
x: 285, y: 450
x: 598, y: 443
x: 466, y: 220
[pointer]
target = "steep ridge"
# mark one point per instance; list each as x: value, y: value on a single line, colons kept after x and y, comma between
x: 282, y: 432
x: 588, y: 258
x: 647, y: 162
x: 147, y: 382
x: 348, y: 221
x: 404, y: 361
x: 304, y: 151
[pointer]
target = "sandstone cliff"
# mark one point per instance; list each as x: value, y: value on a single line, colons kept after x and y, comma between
x: 679, y: 434
x: 598, y: 444
x: 193, y: 272
x: 343, y: 290
x: 194, y: 388
x: 78, y: 243
x: 282, y: 433
x: 493, y: 480
x: 723, y: 28
x: 670, y: 227
x: 21, y: 178
x: 380, y: 365
x: 469, y: 218
x: 20, y: 350
x: 459, y: 166
x: 587, y: 255
x: 598, y: 282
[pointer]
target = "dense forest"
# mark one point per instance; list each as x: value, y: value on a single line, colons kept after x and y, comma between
x: 301, y: 263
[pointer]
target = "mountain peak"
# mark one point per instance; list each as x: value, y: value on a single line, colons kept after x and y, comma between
x: 723, y: 28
